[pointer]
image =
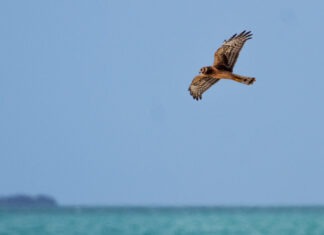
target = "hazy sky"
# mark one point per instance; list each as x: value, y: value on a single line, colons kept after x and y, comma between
x: 95, y: 108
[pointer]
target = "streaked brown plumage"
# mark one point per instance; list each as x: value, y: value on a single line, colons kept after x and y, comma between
x: 224, y: 60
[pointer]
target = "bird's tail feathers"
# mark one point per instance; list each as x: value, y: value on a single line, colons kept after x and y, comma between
x: 243, y: 79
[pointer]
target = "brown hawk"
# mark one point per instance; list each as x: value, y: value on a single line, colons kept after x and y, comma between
x: 224, y: 60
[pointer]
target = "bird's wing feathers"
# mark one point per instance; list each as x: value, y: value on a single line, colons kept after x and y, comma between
x: 200, y: 84
x: 226, y: 56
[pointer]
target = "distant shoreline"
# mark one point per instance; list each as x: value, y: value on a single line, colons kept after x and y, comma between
x: 22, y: 200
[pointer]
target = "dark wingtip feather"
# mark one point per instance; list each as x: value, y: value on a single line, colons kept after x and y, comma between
x: 241, y: 34
x: 248, y: 34
x: 230, y: 38
x: 244, y: 34
x: 195, y: 97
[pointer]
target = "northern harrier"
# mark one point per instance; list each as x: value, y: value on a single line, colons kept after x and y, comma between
x: 224, y: 61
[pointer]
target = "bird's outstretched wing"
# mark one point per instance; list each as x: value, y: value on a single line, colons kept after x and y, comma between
x: 226, y: 56
x: 200, y: 84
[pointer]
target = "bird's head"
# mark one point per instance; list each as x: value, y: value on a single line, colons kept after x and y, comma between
x: 205, y: 70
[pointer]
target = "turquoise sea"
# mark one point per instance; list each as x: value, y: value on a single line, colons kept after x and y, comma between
x: 163, y: 221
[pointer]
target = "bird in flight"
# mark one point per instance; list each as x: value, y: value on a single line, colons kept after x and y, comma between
x: 224, y: 60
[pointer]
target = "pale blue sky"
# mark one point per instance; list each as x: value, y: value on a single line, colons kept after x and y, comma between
x: 95, y: 108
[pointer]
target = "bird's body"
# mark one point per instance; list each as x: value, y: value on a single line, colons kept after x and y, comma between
x: 224, y: 60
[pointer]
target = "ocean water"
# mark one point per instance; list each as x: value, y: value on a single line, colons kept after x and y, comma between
x: 163, y: 221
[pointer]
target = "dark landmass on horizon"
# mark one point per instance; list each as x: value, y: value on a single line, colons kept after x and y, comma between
x: 22, y: 200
